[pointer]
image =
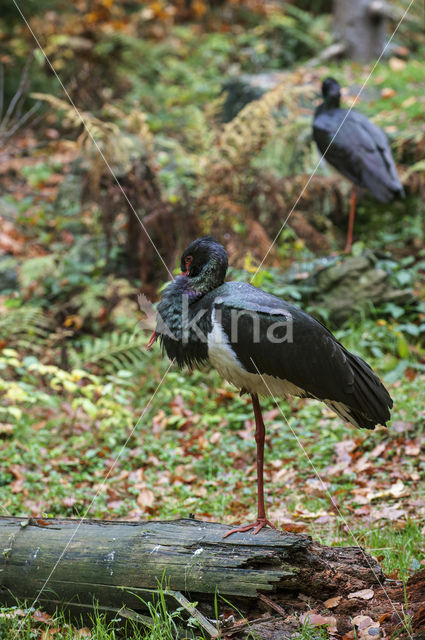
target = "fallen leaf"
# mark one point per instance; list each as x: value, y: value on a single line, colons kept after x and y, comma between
x: 388, y: 513
x: 396, y: 64
x: 145, y: 498
x: 398, y: 490
x: 293, y: 527
x: 385, y: 617
x: 41, y: 616
x: 409, y: 102
x: 343, y: 450
x: 387, y: 92
x: 362, y: 622
x: 317, y: 620
x: 376, y: 451
x: 412, y: 448
x: 367, y: 629
x: 364, y: 594
x: 332, y: 602
x: 305, y: 514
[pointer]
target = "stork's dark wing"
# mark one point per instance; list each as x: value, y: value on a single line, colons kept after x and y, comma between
x: 359, y: 150
x: 280, y: 340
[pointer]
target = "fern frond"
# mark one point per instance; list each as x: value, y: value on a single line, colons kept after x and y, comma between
x: 26, y: 328
x: 113, y: 351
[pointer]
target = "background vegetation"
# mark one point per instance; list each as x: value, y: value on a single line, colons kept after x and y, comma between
x: 85, y: 431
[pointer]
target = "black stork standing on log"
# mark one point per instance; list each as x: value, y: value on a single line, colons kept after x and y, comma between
x: 357, y: 148
x: 263, y: 346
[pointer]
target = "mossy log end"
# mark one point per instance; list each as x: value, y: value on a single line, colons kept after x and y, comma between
x: 118, y: 563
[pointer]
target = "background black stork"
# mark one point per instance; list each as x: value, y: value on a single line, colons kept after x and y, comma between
x: 262, y: 345
x: 359, y: 150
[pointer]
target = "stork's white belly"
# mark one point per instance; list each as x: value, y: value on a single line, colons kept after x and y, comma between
x: 224, y: 359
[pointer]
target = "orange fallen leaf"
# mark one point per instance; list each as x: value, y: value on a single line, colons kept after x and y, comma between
x: 293, y: 527
x: 41, y: 522
x: 332, y: 602
x: 387, y: 92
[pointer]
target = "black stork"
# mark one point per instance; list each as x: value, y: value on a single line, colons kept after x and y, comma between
x: 357, y: 148
x: 263, y: 346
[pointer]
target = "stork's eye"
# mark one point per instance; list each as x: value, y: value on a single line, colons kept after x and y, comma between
x: 188, y: 260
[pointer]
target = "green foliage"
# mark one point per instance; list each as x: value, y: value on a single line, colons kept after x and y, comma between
x: 39, y: 173
x: 114, y: 351
x: 25, y: 327
x: 397, y: 550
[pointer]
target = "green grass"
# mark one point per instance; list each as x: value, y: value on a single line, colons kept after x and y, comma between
x: 22, y: 622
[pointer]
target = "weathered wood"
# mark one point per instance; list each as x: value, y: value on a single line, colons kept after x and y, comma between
x: 119, y: 564
x: 101, y: 555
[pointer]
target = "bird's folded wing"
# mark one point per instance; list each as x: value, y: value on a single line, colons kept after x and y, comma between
x: 272, y: 337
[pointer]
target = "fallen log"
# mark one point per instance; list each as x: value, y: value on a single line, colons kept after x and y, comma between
x: 120, y: 565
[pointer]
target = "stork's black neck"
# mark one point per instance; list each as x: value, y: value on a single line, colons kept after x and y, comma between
x: 211, y: 276
x: 332, y: 101
x: 331, y: 93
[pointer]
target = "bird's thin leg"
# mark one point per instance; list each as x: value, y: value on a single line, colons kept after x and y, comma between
x: 351, y: 219
x: 260, y: 434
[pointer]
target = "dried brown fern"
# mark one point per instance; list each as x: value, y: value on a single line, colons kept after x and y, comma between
x: 226, y: 175
x: 245, y: 135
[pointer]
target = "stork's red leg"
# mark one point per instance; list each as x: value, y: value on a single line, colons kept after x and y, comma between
x: 351, y: 219
x: 260, y: 434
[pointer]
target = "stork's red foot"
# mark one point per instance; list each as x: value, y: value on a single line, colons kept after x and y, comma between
x: 259, y: 524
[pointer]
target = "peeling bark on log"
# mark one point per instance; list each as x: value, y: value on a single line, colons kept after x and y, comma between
x: 119, y: 564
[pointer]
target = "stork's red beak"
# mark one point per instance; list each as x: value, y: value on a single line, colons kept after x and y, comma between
x: 185, y: 273
x: 151, y: 340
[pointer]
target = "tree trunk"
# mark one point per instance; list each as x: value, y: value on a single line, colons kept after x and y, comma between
x: 120, y: 564
x: 361, y: 26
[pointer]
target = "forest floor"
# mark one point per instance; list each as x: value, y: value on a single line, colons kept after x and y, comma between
x: 94, y: 426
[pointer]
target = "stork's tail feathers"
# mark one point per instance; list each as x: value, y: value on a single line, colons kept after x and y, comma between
x: 371, y: 401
